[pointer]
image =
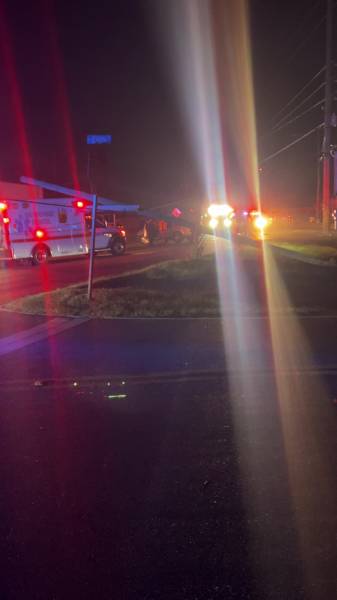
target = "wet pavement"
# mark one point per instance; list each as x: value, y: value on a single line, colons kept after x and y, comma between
x: 173, y: 489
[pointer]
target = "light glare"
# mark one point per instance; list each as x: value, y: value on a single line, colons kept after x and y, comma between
x: 261, y: 222
x: 213, y: 223
x: 219, y: 210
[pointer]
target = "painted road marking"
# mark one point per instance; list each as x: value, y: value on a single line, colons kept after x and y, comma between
x: 24, y: 338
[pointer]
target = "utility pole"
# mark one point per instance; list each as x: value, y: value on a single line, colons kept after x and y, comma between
x: 326, y: 158
x: 92, y: 245
x: 318, y: 212
x: 318, y: 207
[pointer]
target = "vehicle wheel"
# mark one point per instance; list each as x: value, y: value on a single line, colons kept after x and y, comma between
x: 40, y: 255
x: 177, y: 237
x: 117, y: 247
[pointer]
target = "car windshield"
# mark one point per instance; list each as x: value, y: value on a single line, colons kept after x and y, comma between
x: 168, y: 322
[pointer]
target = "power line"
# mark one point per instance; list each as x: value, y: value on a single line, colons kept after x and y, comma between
x: 299, y: 28
x: 305, y: 40
x: 298, y: 106
x: 319, y: 103
x: 299, y: 93
x: 291, y: 144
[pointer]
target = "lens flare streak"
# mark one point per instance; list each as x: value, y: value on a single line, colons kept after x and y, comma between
x: 211, y: 65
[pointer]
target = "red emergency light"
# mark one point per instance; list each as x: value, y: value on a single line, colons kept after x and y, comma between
x: 81, y: 204
x: 6, y: 220
x: 3, y: 206
x: 40, y: 234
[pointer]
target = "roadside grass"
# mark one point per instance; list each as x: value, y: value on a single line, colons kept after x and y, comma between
x: 121, y: 302
x: 318, y: 251
x: 176, y: 288
x: 189, y: 288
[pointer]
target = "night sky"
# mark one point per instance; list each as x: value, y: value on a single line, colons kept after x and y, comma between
x: 96, y: 67
x: 289, y: 49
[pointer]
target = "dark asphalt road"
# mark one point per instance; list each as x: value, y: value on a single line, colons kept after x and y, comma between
x: 171, y: 491
x: 183, y: 486
x: 18, y: 280
x: 171, y: 487
x: 127, y: 346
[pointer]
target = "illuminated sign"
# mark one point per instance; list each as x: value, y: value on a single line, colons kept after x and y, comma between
x: 98, y: 139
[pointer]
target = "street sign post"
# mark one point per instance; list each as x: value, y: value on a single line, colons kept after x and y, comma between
x: 91, y: 140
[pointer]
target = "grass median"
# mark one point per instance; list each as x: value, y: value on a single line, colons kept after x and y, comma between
x: 190, y: 288
x: 322, y: 252
x: 169, y: 289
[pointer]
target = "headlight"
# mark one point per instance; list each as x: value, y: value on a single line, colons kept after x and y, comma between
x: 213, y: 223
x: 261, y: 222
x: 227, y: 222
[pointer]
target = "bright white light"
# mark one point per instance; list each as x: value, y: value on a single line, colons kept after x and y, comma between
x: 227, y: 222
x: 227, y: 210
x: 261, y: 222
x: 213, y: 210
x: 219, y: 210
x: 213, y: 223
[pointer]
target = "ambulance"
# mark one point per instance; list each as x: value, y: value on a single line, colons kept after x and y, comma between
x: 39, y: 229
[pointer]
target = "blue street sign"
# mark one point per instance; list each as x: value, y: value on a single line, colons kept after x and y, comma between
x: 98, y: 139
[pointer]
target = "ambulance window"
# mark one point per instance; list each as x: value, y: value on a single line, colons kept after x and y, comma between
x: 99, y: 222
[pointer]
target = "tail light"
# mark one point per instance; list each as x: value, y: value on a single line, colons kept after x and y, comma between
x: 121, y: 230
